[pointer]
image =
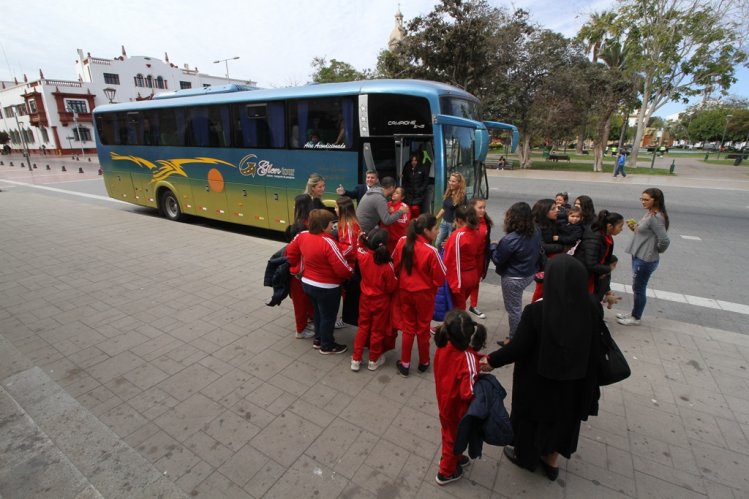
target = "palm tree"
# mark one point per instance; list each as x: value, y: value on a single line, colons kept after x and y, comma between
x: 594, y: 32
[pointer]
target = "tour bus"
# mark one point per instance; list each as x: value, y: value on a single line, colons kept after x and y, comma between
x: 241, y: 154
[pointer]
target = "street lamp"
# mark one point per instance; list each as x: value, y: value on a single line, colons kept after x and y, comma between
x: 23, y: 139
x: 109, y: 92
x: 226, y: 61
x: 723, y: 139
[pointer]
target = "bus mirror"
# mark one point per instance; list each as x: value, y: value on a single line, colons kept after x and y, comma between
x: 481, y: 147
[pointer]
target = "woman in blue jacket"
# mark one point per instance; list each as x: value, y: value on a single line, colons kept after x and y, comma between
x: 516, y: 259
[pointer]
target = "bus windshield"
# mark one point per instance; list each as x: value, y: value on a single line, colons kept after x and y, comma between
x: 463, y: 108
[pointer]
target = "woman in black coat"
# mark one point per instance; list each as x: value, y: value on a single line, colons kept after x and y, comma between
x: 596, y: 251
x: 556, y: 351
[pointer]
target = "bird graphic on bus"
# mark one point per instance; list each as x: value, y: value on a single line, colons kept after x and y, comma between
x: 169, y: 167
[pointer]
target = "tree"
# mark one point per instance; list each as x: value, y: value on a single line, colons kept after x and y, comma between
x: 682, y: 48
x: 336, y: 71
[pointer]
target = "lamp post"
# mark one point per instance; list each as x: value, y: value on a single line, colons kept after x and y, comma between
x: 109, y: 92
x: 23, y: 140
x: 723, y: 139
x: 226, y: 61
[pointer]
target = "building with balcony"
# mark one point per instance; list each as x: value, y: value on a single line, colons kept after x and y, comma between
x: 53, y: 116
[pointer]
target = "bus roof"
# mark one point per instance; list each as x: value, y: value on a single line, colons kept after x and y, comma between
x: 409, y: 87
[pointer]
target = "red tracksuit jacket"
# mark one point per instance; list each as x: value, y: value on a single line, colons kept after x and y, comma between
x: 318, y: 258
x: 461, y: 256
x: 427, y: 272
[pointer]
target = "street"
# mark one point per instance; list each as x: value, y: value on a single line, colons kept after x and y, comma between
x: 709, y: 222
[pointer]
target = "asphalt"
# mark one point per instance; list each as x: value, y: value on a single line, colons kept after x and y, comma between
x: 138, y: 359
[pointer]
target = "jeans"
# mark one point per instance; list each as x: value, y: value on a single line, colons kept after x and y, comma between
x: 446, y: 228
x: 512, y: 295
x: 325, y: 302
x: 641, y: 272
x: 618, y: 170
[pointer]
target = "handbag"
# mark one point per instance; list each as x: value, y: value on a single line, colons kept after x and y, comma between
x: 612, y: 366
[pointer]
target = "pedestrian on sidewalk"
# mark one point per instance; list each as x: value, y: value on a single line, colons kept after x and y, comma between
x: 484, y: 253
x: 649, y: 241
x: 461, y: 256
x: 420, y: 273
x: 556, y: 351
x: 378, y: 283
x: 620, y: 160
x: 455, y: 372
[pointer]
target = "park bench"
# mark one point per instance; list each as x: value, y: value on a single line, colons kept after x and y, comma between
x: 493, y: 164
x: 557, y: 157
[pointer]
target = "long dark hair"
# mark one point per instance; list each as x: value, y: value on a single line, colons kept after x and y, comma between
x: 518, y: 218
x: 659, y: 201
x: 460, y: 330
x: 472, y: 203
x: 468, y: 215
x: 606, y: 217
x: 377, y: 240
x: 589, y: 211
x: 302, y: 209
x: 540, y: 210
x: 416, y: 227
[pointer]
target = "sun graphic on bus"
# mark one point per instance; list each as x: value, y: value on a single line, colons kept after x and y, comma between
x: 248, y: 165
x: 215, y: 180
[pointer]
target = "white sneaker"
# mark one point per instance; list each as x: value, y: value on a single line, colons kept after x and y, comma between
x: 477, y: 312
x: 623, y: 315
x: 310, y: 327
x: 629, y: 321
x: 372, y: 366
x: 305, y: 334
x: 355, y: 364
x: 339, y: 324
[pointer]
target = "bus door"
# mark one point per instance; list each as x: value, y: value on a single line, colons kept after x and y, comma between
x: 423, y: 147
x: 464, y: 146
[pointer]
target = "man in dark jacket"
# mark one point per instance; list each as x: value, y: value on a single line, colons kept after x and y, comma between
x: 360, y: 190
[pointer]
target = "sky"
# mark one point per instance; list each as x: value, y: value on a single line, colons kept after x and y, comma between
x: 275, y: 40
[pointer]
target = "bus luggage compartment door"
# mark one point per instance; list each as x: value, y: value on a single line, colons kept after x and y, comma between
x: 210, y: 202
x: 247, y: 205
x: 280, y: 208
x: 143, y: 190
x: 120, y: 186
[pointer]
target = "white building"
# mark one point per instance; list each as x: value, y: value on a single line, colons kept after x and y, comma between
x: 55, y: 116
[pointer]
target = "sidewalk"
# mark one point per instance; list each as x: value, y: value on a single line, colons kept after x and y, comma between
x: 137, y: 359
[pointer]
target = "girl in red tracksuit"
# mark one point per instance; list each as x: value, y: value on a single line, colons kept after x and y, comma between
x: 397, y: 229
x: 304, y: 311
x: 420, y: 273
x: 482, y: 258
x: 318, y: 257
x: 378, y: 283
x: 456, y: 367
x: 348, y: 228
x: 461, y: 256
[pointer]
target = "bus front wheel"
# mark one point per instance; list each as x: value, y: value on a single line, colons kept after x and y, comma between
x: 170, y: 206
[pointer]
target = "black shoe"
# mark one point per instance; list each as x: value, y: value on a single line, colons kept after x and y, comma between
x: 335, y: 349
x: 509, y: 451
x: 403, y: 371
x: 444, y: 480
x: 316, y: 344
x: 550, y: 471
x: 464, y: 461
x: 423, y: 367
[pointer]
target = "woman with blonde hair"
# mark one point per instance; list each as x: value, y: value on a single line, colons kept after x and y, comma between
x: 455, y: 195
x: 315, y: 189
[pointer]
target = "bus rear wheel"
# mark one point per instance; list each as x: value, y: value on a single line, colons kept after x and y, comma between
x: 170, y: 206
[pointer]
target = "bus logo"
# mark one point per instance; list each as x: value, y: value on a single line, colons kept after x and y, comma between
x: 251, y: 166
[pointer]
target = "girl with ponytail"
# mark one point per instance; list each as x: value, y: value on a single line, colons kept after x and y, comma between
x: 420, y: 273
x: 378, y: 283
